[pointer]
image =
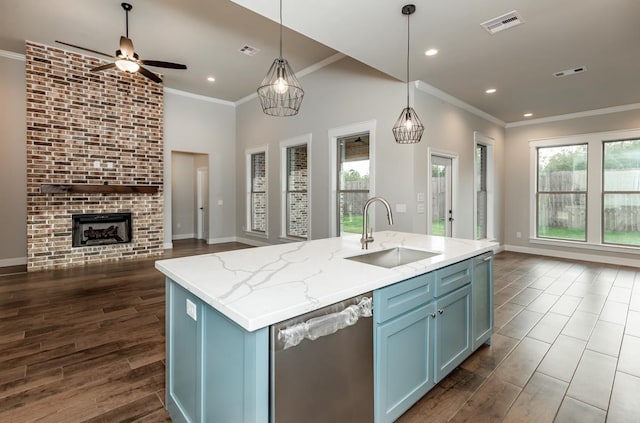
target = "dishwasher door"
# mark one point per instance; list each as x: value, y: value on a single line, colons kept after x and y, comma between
x: 328, y: 379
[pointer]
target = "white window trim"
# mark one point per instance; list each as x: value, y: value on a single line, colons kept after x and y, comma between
x: 479, y: 138
x: 341, y: 132
x: 248, y: 152
x: 454, y: 185
x: 284, y: 145
x: 594, y: 188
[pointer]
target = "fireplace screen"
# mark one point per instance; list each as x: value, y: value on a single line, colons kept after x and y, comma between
x: 101, y: 229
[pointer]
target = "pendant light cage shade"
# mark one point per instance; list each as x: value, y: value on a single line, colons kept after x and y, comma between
x: 280, y: 92
x: 408, y: 129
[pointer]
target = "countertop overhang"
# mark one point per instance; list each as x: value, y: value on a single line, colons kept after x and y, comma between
x: 258, y: 287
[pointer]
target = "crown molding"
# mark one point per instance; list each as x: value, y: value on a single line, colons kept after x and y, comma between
x: 199, y: 97
x: 12, y: 55
x: 430, y: 89
x: 568, y: 116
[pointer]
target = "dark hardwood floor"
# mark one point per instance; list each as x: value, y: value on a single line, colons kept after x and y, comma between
x: 87, y: 345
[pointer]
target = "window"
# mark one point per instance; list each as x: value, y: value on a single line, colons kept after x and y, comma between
x: 561, y: 196
x: 296, y: 191
x: 481, y: 191
x: 257, y: 195
x: 621, y: 192
x: 586, y: 189
x: 352, y: 182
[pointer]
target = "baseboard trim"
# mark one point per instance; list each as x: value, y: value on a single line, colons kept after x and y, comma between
x: 17, y: 261
x: 222, y: 240
x: 167, y: 246
x: 574, y: 256
x: 183, y: 236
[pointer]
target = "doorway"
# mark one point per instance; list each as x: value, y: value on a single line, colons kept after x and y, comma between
x: 441, y: 188
x: 189, y: 195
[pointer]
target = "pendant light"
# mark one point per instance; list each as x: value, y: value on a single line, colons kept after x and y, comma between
x: 408, y: 129
x: 280, y: 92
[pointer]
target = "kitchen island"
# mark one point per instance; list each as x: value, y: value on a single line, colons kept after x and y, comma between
x: 220, y: 308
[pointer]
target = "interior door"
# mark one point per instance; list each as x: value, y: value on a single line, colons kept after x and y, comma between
x: 441, y: 196
x: 202, y: 200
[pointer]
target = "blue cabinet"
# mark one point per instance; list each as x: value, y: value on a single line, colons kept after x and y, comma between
x: 424, y: 328
x: 216, y: 371
x: 404, y: 314
x: 482, y: 299
x: 452, y: 331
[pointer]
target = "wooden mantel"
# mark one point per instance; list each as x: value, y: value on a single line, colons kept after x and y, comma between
x: 97, y: 189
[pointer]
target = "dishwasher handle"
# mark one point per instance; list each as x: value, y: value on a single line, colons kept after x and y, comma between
x: 325, y: 325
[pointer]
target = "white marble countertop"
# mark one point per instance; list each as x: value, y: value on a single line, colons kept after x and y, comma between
x: 257, y: 287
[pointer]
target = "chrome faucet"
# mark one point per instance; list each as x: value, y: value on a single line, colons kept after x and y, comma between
x: 367, y: 238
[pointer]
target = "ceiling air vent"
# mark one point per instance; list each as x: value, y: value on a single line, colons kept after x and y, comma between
x: 248, y: 50
x: 568, y: 72
x: 506, y: 21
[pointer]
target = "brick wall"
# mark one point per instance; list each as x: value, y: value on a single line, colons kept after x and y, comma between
x: 75, y: 118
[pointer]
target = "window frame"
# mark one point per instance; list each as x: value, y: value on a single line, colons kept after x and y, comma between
x: 249, y: 153
x: 285, y: 145
x: 585, y: 193
x: 594, y: 189
x: 488, y: 143
x: 342, y: 132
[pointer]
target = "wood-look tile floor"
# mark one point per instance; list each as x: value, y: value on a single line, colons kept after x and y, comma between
x: 87, y: 345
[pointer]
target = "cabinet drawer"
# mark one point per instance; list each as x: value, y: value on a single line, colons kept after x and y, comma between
x: 401, y: 297
x: 452, y: 277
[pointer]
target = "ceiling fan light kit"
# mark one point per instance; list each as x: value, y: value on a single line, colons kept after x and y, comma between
x: 127, y: 59
x: 408, y: 128
x: 280, y: 93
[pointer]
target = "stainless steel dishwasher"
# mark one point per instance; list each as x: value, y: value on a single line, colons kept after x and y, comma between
x: 322, y: 365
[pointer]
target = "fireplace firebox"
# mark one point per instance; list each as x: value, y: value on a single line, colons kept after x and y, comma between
x: 101, y: 229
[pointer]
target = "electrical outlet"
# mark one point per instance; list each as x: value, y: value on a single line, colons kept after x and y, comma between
x: 518, y: 234
x: 401, y: 208
x: 96, y: 164
x: 220, y: 202
x: 420, y: 208
x: 192, y: 310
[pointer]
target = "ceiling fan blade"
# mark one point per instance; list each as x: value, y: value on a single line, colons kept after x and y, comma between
x: 161, y: 64
x: 85, y: 49
x: 152, y: 76
x: 103, y: 67
x: 126, y: 46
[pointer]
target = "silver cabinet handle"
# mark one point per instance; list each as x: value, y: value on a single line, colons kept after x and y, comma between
x: 488, y: 258
x: 441, y: 311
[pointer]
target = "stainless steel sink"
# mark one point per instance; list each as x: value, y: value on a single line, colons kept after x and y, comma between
x: 393, y: 257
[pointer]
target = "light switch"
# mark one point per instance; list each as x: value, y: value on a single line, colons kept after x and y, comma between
x: 420, y: 197
x: 192, y: 310
x: 420, y: 208
x: 220, y: 202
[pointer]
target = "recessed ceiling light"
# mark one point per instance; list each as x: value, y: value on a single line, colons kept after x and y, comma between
x: 431, y: 52
x: 491, y: 91
x: 528, y: 114
x: 211, y: 79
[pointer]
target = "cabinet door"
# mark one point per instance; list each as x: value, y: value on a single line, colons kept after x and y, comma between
x: 403, y: 362
x: 453, y: 331
x: 482, y: 293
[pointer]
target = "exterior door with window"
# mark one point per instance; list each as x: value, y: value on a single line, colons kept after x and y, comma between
x: 441, y: 195
x: 353, y: 182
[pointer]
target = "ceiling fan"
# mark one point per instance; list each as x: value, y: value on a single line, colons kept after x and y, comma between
x: 126, y: 57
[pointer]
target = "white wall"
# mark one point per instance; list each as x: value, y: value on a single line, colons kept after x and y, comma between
x: 517, y: 197
x: 348, y: 92
x: 13, y: 158
x: 196, y: 124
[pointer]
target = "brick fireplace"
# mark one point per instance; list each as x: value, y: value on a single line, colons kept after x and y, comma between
x: 90, y: 129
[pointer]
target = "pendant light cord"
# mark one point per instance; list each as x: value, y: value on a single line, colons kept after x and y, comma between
x: 280, y: 29
x: 408, y: 40
x: 126, y: 18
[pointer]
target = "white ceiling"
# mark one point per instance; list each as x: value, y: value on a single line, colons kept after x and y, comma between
x: 602, y: 35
